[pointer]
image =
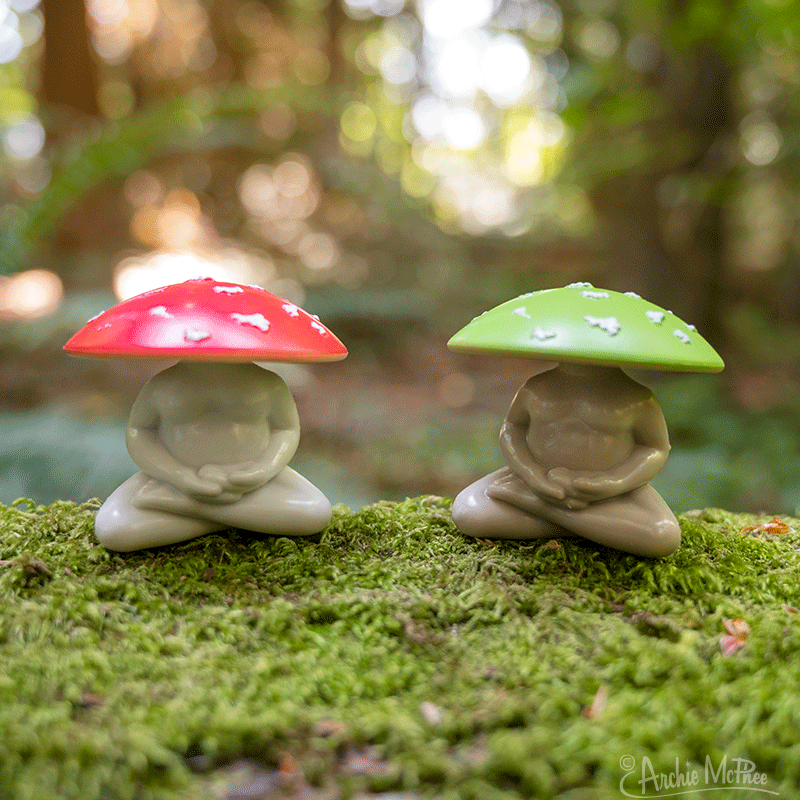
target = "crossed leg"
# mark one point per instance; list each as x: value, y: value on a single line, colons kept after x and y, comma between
x: 476, y: 514
x: 144, y: 512
x: 638, y: 522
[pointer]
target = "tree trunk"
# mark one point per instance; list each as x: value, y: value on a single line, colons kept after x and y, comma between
x: 69, y: 73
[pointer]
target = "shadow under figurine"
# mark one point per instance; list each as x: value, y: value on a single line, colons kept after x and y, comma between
x: 214, y: 433
x: 581, y: 440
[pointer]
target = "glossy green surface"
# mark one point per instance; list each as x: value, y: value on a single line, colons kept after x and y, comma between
x: 582, y: 324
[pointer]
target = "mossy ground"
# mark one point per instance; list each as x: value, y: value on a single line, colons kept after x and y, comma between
x: 389, y: 657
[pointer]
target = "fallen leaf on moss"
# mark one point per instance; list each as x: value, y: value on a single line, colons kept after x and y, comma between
x: 431, y: 713
x: 736, y: 637
x: 597, y: 705
x: 91, y: 700
x: 329, y: 727
x: 775, y: 526
x: 366, y: 761
x: 551, y: 544
x: 35, y: 566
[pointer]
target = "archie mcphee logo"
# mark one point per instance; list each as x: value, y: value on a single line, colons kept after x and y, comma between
x: 642, y: 780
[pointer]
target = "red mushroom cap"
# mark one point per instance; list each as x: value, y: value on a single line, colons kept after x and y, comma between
x: 207, y: 320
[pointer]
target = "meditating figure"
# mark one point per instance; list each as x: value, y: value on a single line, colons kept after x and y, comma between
x: 214, y: 433
x: 213, y: 441
x: 581, y: 443
x: 581, y: 440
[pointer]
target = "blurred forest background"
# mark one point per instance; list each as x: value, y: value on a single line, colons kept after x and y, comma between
x: 397, y: 167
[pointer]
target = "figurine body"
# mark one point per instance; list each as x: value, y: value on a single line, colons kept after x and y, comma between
x: 213, y: 441
x: 581, y: 443
x: 213, y: 434
x: 581, y: 440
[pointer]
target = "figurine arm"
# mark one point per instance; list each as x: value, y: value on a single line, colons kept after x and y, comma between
x: 517, y: 453
x: 645, y: 461
x: 284, y: 426
x: 152, y: 457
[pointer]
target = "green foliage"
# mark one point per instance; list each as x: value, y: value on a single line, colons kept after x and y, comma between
x: 204, y: 119
x: 728, y: 455
x: 390, y: 653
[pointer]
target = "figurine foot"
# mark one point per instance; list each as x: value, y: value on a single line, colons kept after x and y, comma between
x: 476, y: 514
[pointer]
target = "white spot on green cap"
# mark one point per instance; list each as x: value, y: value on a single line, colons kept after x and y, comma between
x: 542, y: 334
x: 608, y: 324
x: 682, y: 335
x: 656, y: 317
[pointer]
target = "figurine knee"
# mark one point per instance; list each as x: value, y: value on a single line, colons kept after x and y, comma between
x: 466, y: 514
x: 310, y: 513
x: 113, y: 531
x: 662, y: 540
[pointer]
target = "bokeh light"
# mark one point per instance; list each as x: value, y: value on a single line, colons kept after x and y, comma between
x: 479, y: 83
x: 11, y: 40
x: 141, y: 273
x: 761, y: 140
x: 29, y: 295
x: 445, y: 19
x: 176, y: 223
x: 24, y: 139
x: 505, y: 68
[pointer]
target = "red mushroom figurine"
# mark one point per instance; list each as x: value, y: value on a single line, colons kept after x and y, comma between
x: 214, y: 433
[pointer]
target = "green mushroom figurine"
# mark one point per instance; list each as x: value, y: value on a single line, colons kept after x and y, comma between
x: 582, y: 439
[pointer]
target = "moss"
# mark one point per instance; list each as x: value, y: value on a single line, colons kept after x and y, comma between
x: 389, y: 654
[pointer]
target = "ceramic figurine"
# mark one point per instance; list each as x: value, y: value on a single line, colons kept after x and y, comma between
x: 214, y: 433
x: 581, y: 440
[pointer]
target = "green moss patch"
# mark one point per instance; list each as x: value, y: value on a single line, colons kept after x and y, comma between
x: 392, y: 657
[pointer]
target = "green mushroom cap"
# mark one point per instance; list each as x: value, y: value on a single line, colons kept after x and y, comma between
x: 579, y: 323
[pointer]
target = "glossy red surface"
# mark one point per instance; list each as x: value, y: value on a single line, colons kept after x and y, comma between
x: 207, y: 320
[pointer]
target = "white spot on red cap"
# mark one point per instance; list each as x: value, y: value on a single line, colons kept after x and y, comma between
x: 228, y: 289
x: 291, y: 309
x: 160, y: 311
x: 608, y: 324
x: 195, y: 334
x: 256, y: 320
x: 317, y: 326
